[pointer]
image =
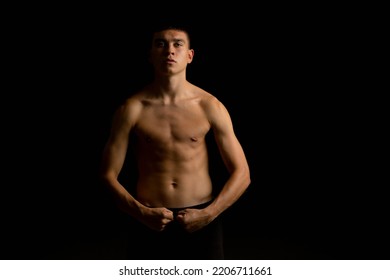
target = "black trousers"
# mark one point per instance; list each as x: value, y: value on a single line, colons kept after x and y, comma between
x: 174, y: 243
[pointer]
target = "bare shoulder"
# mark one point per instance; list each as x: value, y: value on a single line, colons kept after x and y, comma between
x: 207, y: 100
x: 211, y: 105
x: 133, y: 101
x: 131, y: 107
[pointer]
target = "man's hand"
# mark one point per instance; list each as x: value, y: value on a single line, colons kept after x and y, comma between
x: 193, y: 219
x: 157, y: 218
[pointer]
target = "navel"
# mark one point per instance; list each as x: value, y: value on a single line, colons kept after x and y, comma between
x: 194, y: 139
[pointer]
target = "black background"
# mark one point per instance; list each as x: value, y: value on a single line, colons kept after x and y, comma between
x: 291, y: 77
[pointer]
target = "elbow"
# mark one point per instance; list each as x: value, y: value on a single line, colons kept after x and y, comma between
x: 245, y: 177
x: 104, y: 176
x: 107, y: 178
x: 104, y: 179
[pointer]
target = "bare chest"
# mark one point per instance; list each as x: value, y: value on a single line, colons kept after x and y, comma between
x: 172, y: 123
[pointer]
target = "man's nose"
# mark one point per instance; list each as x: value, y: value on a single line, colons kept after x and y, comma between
x: 170, y: 49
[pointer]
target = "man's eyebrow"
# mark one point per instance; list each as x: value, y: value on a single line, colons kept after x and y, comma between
x: 179, y: 40
x: 173, y: 40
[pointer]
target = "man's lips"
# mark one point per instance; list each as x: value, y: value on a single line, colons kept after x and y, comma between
x: 170, y: 61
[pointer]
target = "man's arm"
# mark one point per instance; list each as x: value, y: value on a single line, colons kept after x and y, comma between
x: 236, y: 163
x: 114, y: 155
x: 234, y: 159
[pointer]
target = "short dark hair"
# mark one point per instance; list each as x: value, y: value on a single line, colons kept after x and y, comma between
x: 161, y: 26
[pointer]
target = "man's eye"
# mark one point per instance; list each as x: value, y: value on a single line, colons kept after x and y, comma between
x: 159, y: 44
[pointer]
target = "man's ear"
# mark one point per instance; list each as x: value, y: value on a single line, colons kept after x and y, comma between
x: 191, y: 54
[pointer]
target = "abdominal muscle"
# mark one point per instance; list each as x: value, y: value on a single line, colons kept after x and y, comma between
x: 174, y: 190
x: 173, y: 182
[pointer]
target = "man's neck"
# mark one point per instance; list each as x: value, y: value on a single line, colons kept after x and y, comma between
x: 170, y: 87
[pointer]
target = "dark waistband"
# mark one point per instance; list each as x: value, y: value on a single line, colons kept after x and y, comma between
x: 198, y: 206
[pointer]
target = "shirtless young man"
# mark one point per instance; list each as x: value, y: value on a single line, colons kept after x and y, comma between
x: 174, y: 212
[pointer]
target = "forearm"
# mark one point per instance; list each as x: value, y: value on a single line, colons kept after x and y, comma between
x: 233, y: 189
x: 123, y: 199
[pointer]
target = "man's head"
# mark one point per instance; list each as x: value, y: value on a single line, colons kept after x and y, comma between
x: 165, y: 27
x: 170, y: 50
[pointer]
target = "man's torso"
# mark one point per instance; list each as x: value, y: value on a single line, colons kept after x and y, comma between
x: 172, y: 154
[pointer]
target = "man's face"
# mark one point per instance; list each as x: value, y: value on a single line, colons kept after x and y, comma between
x: 170, y: 51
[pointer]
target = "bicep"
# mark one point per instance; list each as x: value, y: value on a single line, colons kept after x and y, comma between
x: 115, y: 150
x: 228, y: 144
x: 230, y: 149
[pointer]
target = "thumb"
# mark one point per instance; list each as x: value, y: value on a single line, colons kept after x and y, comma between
x: 180, y: 216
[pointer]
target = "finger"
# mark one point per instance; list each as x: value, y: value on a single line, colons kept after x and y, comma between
x: 168, y: 214
x: 161, y: 228
x: 180, y: 217
x: 182, y: 212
